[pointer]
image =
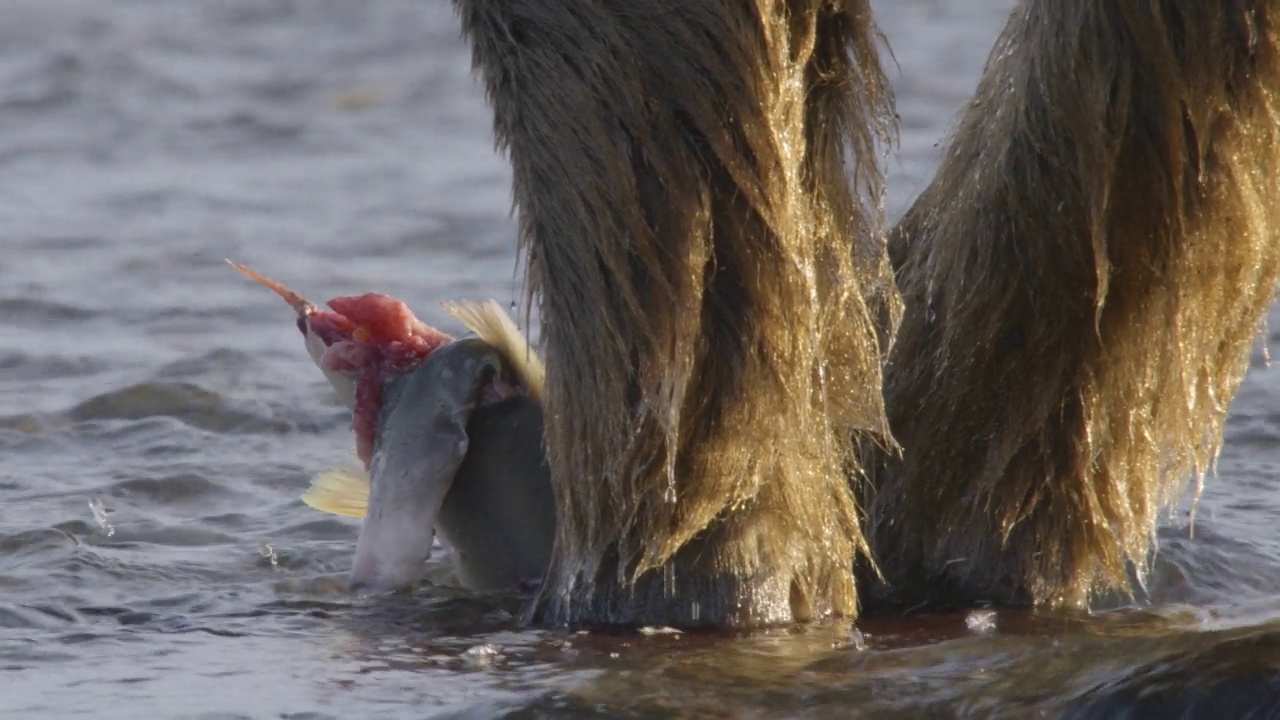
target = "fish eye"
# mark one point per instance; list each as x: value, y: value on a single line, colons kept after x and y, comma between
x: 302, y: 325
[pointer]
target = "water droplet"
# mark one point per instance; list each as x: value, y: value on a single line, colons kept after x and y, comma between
x: 100, y: 516
x: 270, y: 554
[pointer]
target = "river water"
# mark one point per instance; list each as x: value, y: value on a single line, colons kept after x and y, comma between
x: 159, y: 418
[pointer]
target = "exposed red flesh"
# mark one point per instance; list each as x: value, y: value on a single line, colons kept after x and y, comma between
x: 364, y: 416
x: 330, y: 327
x: 372, y: 335
x: 387, y: 320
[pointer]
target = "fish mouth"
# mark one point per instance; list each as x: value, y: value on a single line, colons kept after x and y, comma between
x: 342, y: 381
x: 420, y: 445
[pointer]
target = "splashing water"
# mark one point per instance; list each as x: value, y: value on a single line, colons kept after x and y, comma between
x: 981, y: 622
x: 101, y: 516
x: 481, y: 656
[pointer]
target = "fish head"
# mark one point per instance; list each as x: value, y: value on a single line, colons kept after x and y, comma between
x: 358, y: 338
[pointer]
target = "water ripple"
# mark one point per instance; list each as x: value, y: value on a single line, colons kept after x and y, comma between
x: 183, y: 488
x: 187, y: 402
x: 30, y: 312
x: 17, y: 366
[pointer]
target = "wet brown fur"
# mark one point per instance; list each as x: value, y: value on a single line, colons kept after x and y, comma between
x: 1082, y: 282
x: 680, y: 175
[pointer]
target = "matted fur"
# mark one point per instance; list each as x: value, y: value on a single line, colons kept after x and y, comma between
x: 682, y: 180
x: 1083, y: 281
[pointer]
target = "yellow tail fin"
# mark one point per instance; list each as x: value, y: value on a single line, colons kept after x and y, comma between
x: 492, y: 324
x: 342, y: 490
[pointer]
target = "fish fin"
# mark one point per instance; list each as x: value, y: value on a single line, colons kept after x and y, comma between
x: 342, y: 490
x: 492, y: 324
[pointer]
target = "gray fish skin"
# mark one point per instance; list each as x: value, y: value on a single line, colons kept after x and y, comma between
x: 476, y: 474
x: 500, y: 516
